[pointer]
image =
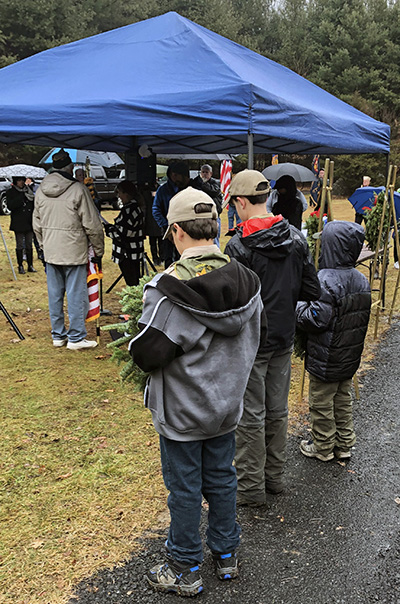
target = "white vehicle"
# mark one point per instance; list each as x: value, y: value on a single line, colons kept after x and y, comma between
x: 5, y: 184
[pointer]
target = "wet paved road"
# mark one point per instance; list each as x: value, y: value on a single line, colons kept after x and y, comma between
x: 333, y: 537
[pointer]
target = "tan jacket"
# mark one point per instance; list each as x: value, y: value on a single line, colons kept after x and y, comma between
x: 65, y: 220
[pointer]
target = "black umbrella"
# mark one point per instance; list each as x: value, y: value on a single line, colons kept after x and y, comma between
x: 299, y: 173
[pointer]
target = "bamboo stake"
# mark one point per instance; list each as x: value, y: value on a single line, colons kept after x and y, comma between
x: 321, y: 211
x: 329, y: 191
x: 397, y: 245
x: 98, y: 330
x: 302, y: 380
x: 372, y: 276
x: 389, y: 191
x: 326, y: 194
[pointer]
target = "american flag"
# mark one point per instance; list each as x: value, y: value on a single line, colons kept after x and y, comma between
x: 226, y: 177
x: 93, y: 277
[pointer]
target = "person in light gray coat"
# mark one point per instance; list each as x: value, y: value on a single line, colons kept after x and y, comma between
x: 66, y: 222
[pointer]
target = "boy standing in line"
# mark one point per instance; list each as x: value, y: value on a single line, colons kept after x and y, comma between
x: 202, y: 314
x: 336, y: 326
x: 278, y: 253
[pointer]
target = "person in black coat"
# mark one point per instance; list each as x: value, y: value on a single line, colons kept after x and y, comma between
x: 336, y: 325
x: 127, y: 234
x: 205, y: 182
x: 278, y: 253
x: 287, y: 200
x: 20, y: 203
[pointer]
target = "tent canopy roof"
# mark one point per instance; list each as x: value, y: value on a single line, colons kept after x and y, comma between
x: 179, y: 88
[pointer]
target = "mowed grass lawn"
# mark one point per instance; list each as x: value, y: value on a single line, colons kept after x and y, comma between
x: 80, y: 475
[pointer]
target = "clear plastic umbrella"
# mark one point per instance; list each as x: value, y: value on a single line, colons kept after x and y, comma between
x: 78, y: 156
x: 22, y: 170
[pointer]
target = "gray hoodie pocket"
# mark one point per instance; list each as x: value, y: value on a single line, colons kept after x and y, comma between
x: 154, y: 395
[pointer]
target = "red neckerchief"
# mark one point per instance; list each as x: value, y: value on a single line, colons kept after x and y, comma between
x: 258, y: 224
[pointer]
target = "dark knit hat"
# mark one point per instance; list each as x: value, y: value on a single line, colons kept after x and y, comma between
x: 178, y: 167
x: 15, y: 179
x: 61, y: 159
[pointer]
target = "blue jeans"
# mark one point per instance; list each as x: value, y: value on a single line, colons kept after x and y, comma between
x: 192, y: 470
x: 70, y: 280
x: 232, y: 213
x: 216, y: 240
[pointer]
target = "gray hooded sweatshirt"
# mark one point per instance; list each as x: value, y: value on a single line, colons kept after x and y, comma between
x: 199, y: 340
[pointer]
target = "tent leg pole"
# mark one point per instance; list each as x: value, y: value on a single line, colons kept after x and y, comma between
x: 8, y: 255
x: 250, y: 151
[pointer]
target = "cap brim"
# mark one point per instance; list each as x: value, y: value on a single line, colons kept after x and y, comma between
x: 168, y: 232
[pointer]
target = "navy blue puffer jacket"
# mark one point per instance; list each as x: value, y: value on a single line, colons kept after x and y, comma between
x: 337, y: 323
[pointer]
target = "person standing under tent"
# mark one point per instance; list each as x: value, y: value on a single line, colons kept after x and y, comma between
x: 278, y: 253
x: 151, y: 228
x: 205, y: 182
x: 20, y: 202
x: 127, y: 234
x: 178, y: 179
x: 359, y: 217
x: 287, y: 200
x: 66, y: 221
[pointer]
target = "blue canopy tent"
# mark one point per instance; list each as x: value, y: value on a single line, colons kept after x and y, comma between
x: 179, y: 88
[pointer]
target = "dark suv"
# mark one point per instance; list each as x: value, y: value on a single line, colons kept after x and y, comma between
x: 105, y: 182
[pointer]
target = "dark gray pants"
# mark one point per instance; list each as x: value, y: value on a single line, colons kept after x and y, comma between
x: 262, y: 431
x: 24, y: 240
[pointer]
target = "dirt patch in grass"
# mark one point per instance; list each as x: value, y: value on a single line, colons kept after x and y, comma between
x: 80, y: 476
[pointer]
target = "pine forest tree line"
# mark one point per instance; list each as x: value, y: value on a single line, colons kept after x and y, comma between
x: 351, y: 48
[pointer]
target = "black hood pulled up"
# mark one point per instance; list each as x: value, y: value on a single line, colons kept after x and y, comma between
x: 341, y: 244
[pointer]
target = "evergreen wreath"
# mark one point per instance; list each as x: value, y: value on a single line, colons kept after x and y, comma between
x: 132, y: 306
x: 312, y: 226
x: 372, y: 217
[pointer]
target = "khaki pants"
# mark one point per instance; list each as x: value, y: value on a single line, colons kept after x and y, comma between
x: 331, y: 415
x: 262, y: 431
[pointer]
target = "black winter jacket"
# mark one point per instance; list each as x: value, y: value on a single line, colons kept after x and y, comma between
x: 21, y: 209
x: 337, y: 323
x: 212, y: 187
x: 278, y: 253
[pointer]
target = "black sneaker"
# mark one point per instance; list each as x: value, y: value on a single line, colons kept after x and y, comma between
x: 226, y: 565
x: 180, y: 579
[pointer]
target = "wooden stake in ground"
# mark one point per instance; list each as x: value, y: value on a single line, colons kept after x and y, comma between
x: 397, y: 246
x: 321, y: 211
x: 389, y: 191
x: 329, y: 188
x: 372, y: 274
x: 326, y: 196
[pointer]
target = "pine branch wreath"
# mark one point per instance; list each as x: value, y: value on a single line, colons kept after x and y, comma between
x: 372, y: 218
x: 132, y: 306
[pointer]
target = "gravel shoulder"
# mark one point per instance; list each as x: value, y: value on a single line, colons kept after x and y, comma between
x: 332, y: 537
